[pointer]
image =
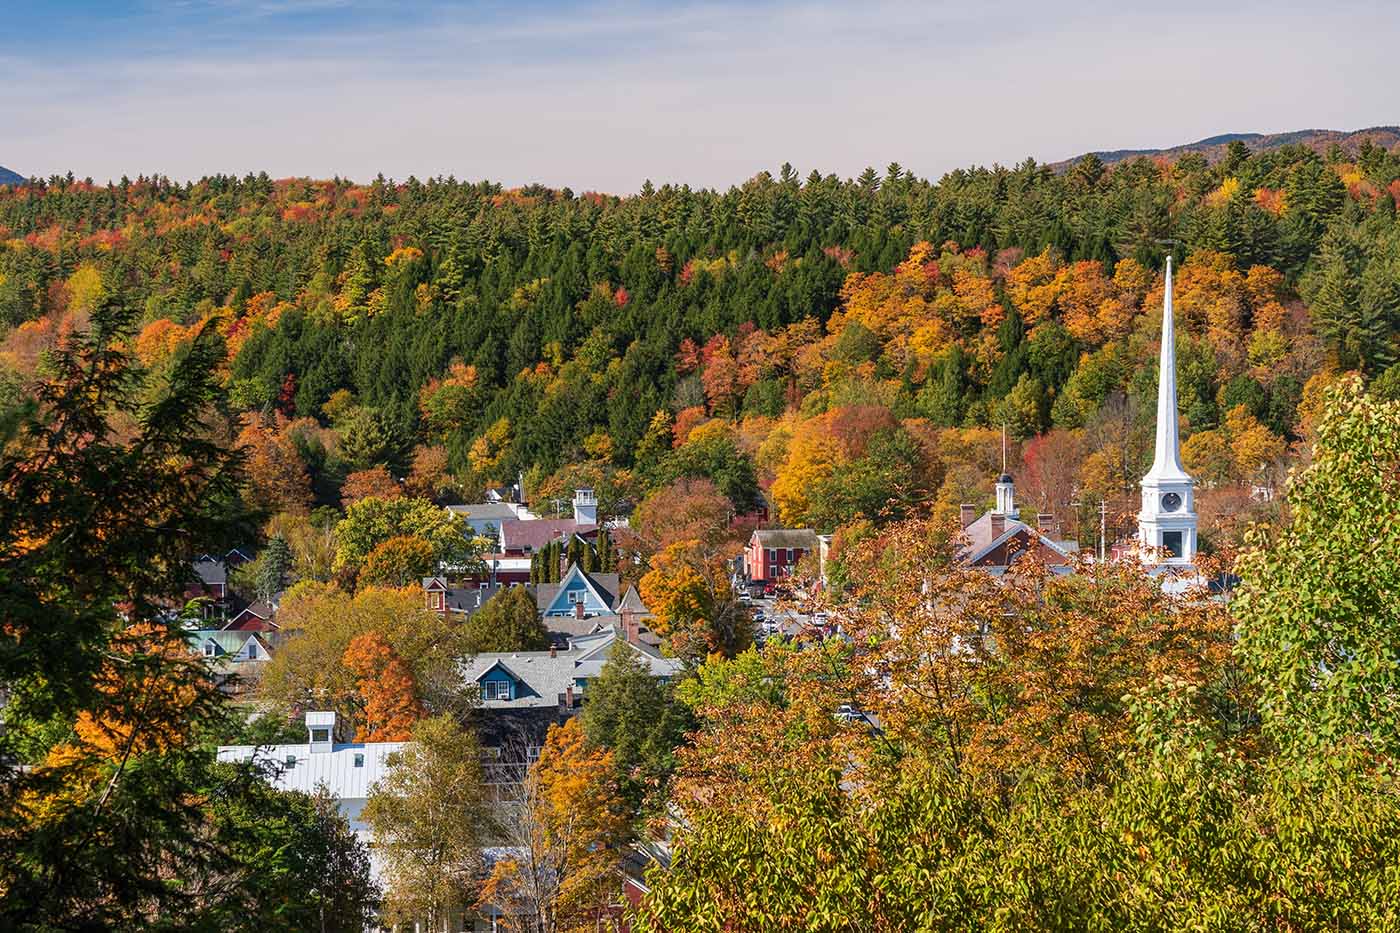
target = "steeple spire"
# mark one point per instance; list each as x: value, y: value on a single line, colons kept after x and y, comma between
x: 1167, y: 522
x: 1166, y: 460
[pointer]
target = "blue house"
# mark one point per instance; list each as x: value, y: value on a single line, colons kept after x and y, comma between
x: 578, y: 594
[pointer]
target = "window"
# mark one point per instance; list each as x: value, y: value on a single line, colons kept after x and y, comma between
x: 320, y: 735
x: 359, y: 760
x: 791, y: 557
x: 252, y: 652
x: 497, y: 690
x: 772, y: 555
x: 210, y: 649
x: 1171, y: 543
x: 290, y: 761
x: 576, y: 596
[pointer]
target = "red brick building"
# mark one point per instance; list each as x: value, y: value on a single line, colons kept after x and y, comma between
x: 772, y: 553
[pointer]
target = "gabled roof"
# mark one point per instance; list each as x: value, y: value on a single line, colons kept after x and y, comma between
x: 335, y: 769
x: 536, y: 533
x: 803, y: 538
x: 604, y: 587
x: 211, y: 571
x: 980, y: 540
x: 499, y: 664
x: 632, y: 602
x: 226, y: 643
x: 485, y: 511
x: 260, y: 610
x: 547, y: 676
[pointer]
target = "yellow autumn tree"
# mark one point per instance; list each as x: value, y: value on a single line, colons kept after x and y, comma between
x: 1254, y: 446
x: 489, y: 450
x: 570, y: 823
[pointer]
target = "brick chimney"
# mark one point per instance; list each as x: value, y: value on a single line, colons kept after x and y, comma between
x: 553, y: 652
x: 569, y: 697
x: 998, y: 524
x: 578, y: 610
x: 969, y: 514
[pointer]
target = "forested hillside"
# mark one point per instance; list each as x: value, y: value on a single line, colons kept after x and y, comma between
x: 850, y: 347
x: 1215, y: 148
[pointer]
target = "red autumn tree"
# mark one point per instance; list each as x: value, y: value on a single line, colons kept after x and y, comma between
x: 387, y: 690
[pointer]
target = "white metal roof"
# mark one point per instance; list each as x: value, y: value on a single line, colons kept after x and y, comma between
x: 336, y: 769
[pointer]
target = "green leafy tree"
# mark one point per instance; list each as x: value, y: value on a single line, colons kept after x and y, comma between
x: 1319, y: 625
x: 303, y: 867
x: 509, y: 621
x: 636, y: 716
x: 431, y: 817
x: 102, y: 500
x: 372, y: 521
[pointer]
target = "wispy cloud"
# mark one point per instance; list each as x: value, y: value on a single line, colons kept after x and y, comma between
x: 605, y: 94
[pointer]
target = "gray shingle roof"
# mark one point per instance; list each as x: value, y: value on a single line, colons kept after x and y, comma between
x: 547, y: 677
x: 787, y: 537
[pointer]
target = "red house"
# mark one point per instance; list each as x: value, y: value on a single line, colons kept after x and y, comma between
x: 772, y: 553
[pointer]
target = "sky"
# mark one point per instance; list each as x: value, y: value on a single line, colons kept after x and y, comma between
x: 604, y: 95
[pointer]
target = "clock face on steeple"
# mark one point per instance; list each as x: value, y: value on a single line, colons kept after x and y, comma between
x: 1171, y: 502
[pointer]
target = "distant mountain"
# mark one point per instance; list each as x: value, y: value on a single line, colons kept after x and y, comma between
x: 8, y: 177
x: 1213, y: 148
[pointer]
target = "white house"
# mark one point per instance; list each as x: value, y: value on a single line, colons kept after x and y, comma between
x: 348, y: 770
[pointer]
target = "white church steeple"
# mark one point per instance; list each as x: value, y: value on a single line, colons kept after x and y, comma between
x: 1167, y: 522
x: 1006, y: 487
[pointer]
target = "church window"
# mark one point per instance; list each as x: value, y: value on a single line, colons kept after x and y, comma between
x: 1171, y: 542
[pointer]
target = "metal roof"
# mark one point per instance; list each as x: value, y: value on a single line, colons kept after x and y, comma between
x: 336, y: 770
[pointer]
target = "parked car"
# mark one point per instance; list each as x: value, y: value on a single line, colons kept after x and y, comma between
x: 745, y: 596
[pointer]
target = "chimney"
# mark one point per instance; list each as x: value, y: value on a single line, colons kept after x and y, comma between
x: 552, y: 651
x: 569, y: 697
x: 1045, y: 522
x: 320, y: 728
x: 998, y: 524
x: 969, y: 514
x: 578, y: 610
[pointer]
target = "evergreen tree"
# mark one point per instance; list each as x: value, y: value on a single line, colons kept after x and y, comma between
x: 273, y: 565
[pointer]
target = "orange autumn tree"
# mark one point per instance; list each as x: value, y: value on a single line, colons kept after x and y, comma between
x: 387, y: 690
x: 362, y: 484
x: 277, y: 479
x: 564, y: 870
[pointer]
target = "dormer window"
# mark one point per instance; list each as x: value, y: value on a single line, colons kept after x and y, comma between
x: 497, y: 690
x: 320, y: 735
x: 210, y: 649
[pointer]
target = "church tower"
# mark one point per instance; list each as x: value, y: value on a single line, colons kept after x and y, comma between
x: 1006, y: 486
x: 1167, y: 521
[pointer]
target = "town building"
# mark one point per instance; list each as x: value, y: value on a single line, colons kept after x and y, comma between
x: 772, y: 554
x: 347, y: 770
x: 997, y: 539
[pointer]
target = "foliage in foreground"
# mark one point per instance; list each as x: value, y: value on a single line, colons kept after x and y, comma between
x: 123, y: 820
x: 1069, y: 753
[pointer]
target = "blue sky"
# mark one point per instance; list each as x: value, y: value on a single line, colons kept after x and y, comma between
x: 602, y: 95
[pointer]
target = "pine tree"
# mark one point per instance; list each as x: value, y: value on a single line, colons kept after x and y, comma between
x: 274, y: 563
